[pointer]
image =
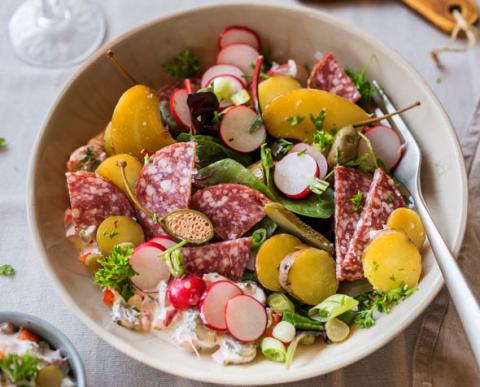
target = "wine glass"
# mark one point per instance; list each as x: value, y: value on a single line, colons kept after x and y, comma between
x: 56, y: 33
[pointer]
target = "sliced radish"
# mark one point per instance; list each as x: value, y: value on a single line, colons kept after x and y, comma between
x: 294, y: 173
x: 255, y: 82
x: 224, y: 87
x: 238, y: 132
x: 212, y: 306
x: 316, y: 154
x: 386, y: 144
x: 222, y: 69
x: 238, y: 34
x: 150, y: 267
x: 179, y: 108
x: 246, y: 318
x: 241, y: 55
x: 164, y: 242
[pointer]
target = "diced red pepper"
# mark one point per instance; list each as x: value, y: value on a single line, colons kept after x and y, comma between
x: 25, y: 334
x: 276, y: 318
x: 108, y: 297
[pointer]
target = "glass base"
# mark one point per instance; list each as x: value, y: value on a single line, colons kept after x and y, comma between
x: 59, y: 40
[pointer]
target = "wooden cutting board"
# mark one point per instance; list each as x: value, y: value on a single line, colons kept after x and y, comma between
x: 439, y: 12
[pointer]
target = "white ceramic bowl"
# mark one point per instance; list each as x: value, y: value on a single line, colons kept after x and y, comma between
x: 86, y: 105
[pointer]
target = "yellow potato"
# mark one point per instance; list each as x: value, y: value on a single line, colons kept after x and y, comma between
x: 304, y: 102
x: 391, y: 259
x: 136, y: 123
x: 275, y: 86
x: 118, y: 229
x: 309, y: 275
x: 269, y: 256
x: 109, y: 169
x: 408, y: 221
x: 107, y: 140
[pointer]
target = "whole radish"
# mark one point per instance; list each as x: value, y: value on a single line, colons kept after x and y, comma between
x: 185, y: 293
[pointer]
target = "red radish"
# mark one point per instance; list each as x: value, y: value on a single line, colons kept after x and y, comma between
x: 291, y: 69
x: 224, y: 86
x: 238, y: 131
x: 246, y: 318
x: 241, y: 55
x: 150, y: 268
x: 238, y: 34
x: 186, y: 292
x: 212, y: 307
x: 179, y: 108
x: 294, y: 173
x: 255, y: 82
x: 316, y: 154
x: 386, y: 144
x: 165, y: 242
x: 222, y: 69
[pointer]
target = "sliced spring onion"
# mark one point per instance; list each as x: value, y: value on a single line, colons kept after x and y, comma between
x: 222, y: 88
x: 292, y: 348
x: 280, y: 303
x: 273, y: 349
x: 337, y: 331
x: 284, y: 331
x: 240, y: 97
x: 308, y: 339
x: 258, y: 237
x: 332, y: 307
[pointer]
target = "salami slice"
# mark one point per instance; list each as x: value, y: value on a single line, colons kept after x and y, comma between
x: 233, y: 208
x: 383, y: 197
x: 227, y: 258
x: 88, y: 157
x: 329, y: 75
x: 165, y: 183
x: 349, y: 184
x: 93, y: 198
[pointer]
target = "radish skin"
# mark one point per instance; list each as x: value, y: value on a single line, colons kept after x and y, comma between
x: 246, y: 318
x: 180, y: 109
x: 238, y: 34
x: 222, y: 69
x: 240, y: 55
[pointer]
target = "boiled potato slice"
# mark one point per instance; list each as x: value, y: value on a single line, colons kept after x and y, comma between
x: 391, y: 259
x: 309, y: 275
x: 408, y: 221
x: 304, y: 102
x: 107, y: 140
x: 109, y: 170
x: 49, y: 376
x: 136, y: 123
x: 269, y: 256
x: 118, y: 229
x: 275, y: 86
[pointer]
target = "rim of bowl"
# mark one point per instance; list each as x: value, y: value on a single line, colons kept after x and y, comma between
x: 48, y: 333
x: 294, y: 374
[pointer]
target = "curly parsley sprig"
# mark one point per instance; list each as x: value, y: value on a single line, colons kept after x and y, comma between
x: 184, y: 65
x: 322, y: 140
x: 20, y: 368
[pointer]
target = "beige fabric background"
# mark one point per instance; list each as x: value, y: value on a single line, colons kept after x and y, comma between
x: 26, y: 95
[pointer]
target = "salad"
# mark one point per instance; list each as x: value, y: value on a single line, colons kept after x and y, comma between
x: 248, y: 207
x: 26, y: 360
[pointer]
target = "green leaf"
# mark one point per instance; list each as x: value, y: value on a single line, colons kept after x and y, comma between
x: 230, y: 171
x: 313, y: 206
x: 332, y: 307
x: 209, y: 150
x: 267, y: 162
x: 7, y: 270
x: 184, y: 65
x: 20, y: 368
x: 301, y: 322
x: 115, y: 272
x: 357, y: 201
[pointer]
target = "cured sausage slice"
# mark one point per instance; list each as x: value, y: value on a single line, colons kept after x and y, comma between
x: 383, y: 197
x: 233, y: 208
x: 351, y: 189
x: 165, y: 184
x: 227, y: 258
x: 93, y: 198
x: 329, y: 75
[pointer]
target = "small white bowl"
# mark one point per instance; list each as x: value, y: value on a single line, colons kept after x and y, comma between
x: 86, y: 105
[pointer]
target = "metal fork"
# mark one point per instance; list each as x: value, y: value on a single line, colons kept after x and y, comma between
x: 408, y: 171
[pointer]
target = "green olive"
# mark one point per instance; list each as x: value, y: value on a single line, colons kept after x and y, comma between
x: 344, y: 147
x: 50, y: 376
x: 91, y: 262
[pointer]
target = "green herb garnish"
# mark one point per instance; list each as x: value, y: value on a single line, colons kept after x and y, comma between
x: 7, y: 270
x: 357, y: 201
x: 256, y: 124
x: 360, y: 81
x: 184, y: 65
x: 376, y: 300
x: 322, y: 140
x: 110, y: 234
x: 154, y: 218
x: 295, y: 120
x: 361, y: 163
x: 267, y: 162
x: 146, y: 159
x: 115, y: 272
x: 20, y: 368
x: 302, y: 152
x: 88, y: 156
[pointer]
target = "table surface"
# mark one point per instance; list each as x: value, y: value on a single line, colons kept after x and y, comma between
x: 27, y: 94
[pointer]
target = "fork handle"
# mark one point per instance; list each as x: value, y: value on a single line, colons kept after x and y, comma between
x: 461, y: 294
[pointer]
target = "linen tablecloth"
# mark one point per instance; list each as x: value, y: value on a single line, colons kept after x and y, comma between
x: 26, y: 95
